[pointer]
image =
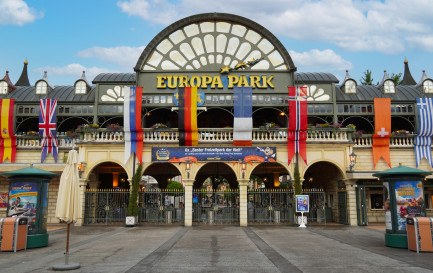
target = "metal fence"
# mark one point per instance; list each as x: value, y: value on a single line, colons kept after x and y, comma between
x: 277, y: 206
x: 161, y: 206
x: 105, y: 206
x: 215, y: 207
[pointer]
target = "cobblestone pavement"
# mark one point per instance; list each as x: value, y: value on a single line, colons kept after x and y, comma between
x: 261, y: 248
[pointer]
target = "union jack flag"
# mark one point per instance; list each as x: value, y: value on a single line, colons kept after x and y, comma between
x: 47, y: 128
x: 297, y: 136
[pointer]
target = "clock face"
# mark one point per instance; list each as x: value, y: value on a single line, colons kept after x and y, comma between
x: 350, y: 86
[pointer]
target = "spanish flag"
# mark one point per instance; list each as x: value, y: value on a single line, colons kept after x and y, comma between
x: 188, y: 134
x: 8, y: 141
x: 382, y: 119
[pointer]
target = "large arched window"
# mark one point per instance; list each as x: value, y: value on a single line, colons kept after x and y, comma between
x: 210, y: 43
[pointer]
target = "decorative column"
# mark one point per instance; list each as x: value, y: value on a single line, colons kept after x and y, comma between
x: 352, y: 216
x: 83, y: 184
x: 188, y: 201
x: 243, y: 202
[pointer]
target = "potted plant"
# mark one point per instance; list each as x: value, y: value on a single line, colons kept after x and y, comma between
x: 157, y: 126
x: 114, y: 127
x: 132, y: 211
x: 32, y: 135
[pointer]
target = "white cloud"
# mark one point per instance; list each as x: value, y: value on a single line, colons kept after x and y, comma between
x: 373, y: 25
x: 74, y: 70
x: 16, y: 12
x: 325, y: 60
x: 124, y: 56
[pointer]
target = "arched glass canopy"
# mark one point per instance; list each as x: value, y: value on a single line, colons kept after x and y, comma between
x: 226, y: 40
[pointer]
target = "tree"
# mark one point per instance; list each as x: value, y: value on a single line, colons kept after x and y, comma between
x: 367, y: 79
x: 174, y: 185
x: 132, y: 204
x: 297, y: 188
x: 396, y: 78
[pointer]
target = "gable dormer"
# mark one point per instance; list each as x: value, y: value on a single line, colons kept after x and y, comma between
x: 349, y: 84
x: 81, y: 86
x: 6, y: 85
x: 42, y: 86
x: 425, y: 84
x: 387, y: 85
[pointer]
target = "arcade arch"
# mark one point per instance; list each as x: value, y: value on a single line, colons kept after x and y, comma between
x: 328, y: 177
x: 270, y: 174
x: 162, y: 172
x: 108, y: 175
x: 217, y: 173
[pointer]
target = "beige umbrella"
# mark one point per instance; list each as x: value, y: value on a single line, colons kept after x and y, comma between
x: 68, y: 207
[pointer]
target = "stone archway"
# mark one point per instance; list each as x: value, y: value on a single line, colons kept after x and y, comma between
x: 328, y: 178
x: 217, y: 172
x: 162, y: 172
x: 270, y: 174
x: 108, y: 175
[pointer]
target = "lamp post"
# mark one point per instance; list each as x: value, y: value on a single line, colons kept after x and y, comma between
x: 352, y: 160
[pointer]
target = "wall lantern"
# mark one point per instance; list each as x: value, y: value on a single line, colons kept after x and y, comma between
x: 352, y: 160
x: 188, y: 168
x: 81, y: 168
x: 243, y: 168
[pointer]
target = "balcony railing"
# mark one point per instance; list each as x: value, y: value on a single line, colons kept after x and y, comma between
x: 205, y: 136
x: 366, y: 141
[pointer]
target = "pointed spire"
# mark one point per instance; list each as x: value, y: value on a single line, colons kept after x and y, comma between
x: 24, y: 78
x: 407, y: 77
x: 347, y: 76
x: 11, y: 87
x: 385, y: 77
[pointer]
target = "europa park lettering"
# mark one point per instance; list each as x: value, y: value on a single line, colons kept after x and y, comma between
x: 175, y: 81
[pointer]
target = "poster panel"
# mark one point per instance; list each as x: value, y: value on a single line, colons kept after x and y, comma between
x: 194, y: 154
x: 23, y: 199
x: 302, y: 203
x: 3, y: 200
x: 387, y: 204
x: 409, y: 196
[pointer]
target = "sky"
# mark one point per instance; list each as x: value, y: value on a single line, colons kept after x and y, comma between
x: 98, y: 36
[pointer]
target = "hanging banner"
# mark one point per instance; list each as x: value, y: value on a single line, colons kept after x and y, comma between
x: 382, y: 120
x: 194, y: 154
x: 409, y: 197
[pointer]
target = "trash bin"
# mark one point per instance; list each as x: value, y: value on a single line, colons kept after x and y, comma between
x: 13, y: 233
x: 419, y: 233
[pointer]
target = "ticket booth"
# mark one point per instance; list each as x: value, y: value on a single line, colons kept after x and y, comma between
x: 28, y: 197
x: 403, y: 196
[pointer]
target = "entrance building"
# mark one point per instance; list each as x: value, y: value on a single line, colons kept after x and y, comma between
x: 221, y: 183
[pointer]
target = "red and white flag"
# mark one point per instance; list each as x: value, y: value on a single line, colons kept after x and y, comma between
x: 297, y: 131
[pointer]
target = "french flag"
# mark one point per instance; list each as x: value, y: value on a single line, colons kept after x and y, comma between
x: 132, y: 122
x: 243, y: 121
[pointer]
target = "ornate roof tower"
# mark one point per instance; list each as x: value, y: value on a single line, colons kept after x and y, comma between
x: 407, y: 77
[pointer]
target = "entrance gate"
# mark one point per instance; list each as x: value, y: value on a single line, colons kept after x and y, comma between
x: 276, y: 206
x: 105, y: 206
x: 161, y: 206
x: 215, y: 207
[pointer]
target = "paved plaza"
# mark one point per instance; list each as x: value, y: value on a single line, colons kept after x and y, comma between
x: 259, y: 248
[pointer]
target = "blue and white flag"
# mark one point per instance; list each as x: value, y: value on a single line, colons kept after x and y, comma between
x: 47, y: 128
x: 423, y: 140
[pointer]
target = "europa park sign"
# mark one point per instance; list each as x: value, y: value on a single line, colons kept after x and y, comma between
x: 216, y: 81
